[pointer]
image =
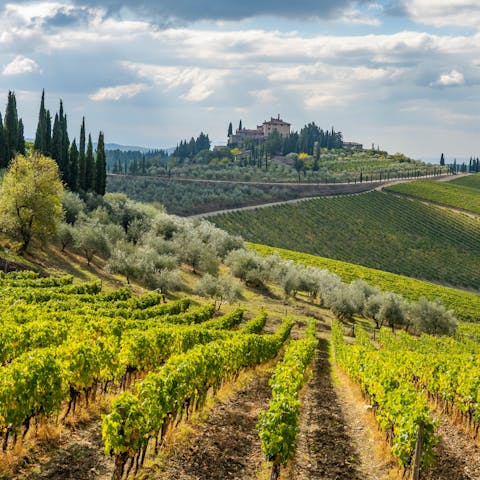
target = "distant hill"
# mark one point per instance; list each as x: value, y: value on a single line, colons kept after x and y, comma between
x: 130, y: 148
x: 124, y: 148
x: 376, y: 229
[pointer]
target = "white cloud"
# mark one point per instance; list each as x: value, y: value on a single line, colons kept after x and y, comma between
x: 204, y: 74
x: 451, y: 79
x: 352, y: 16
x: 118, y: 92
x: 441, y: 13
x: 29, y: 11
x: 200, y: 83
x: 20, y: 65
x: 264, y: 95
x: 240, y: 46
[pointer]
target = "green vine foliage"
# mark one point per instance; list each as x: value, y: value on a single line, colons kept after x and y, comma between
x: 278, y: 426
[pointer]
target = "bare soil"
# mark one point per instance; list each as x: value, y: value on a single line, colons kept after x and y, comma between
x: 324, y: 447
x: 457, y: 456
x: 76, y: 455
x: 226, y: 445
x: 374, y: 459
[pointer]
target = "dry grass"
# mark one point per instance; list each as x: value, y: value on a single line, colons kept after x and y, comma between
x: 46, y: 433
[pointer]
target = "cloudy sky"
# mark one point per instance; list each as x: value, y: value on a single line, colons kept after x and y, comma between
x: 403, y: 74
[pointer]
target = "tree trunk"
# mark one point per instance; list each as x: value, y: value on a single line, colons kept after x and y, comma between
x: 275, y: 474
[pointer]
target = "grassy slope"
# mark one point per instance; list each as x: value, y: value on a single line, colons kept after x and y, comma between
x: 466, y: 305
x: 464, y: 195
x: 377, y: 229
x: 52, y: 261
x: 472, y: 181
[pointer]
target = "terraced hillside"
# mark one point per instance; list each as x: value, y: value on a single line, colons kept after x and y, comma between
x: 190, y: 197
x: 463, y: 193
x: 376, y: 229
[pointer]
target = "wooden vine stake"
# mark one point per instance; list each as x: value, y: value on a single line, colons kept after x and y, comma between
x: 418, y: 453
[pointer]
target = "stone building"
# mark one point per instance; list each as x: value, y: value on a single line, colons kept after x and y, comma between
x: 261, y: 132
x: 352, y: 146
x: 283, y: 128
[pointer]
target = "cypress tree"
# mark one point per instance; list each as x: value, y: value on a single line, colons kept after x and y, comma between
x: 73, y: 161
x: 65, y: 153
x: 101, y: 166
x: 61, y: 144
x: 442, y: 160
x: 11, y: 126
x: 60, y: 148
x: 56, y: 139
x: 3, y: 146
x: 48, y: 134
x: 41, y: 134
x: 81, y: 159
x: 89, y: 167
x: 21, y: 138
x: 230, y: 129
x: 240, y: 125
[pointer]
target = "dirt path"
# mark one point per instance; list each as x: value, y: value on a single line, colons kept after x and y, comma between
x: 457, y: 457
x: 324, y: 447
x: 226, y: 445
x: 270, y: 184
x: 77, y: 456
x: 356, y: 189
x: 373, y: 457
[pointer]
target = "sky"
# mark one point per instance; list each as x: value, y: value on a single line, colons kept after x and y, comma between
x: 402, y: 74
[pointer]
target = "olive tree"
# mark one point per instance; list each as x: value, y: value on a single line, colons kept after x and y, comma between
x: 341, y: 303
x: 195, y: 253
x: 73, y: 206
x: 248, y: 266
x: 163, y: 280
x: 65, y: 234
x: 124, y: 260
x: 393, y: 310
x: 220, y: 289
x: 31, y: 194
x: 432, y: 317
x: 89, y: 240
x: 372, y: 307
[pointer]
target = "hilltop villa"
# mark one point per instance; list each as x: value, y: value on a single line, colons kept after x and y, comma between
x: 261, y: 132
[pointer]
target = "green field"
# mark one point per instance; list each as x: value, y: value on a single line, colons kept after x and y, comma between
x: 376, y: 229
x: 453, y: 194
x: 472, y: 181
x: 465, y: 304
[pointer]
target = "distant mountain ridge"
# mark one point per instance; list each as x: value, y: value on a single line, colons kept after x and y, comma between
x: 125, y: 148
x: 131, y: 148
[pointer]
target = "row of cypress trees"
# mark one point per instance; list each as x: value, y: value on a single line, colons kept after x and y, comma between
x: 81, y: 169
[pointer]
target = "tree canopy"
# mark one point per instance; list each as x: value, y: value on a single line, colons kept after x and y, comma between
x: 31, y: 195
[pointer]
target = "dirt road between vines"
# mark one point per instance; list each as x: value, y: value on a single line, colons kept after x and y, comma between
x: 76, y: 455
x: 226, y: 445
x: 334, y: 440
